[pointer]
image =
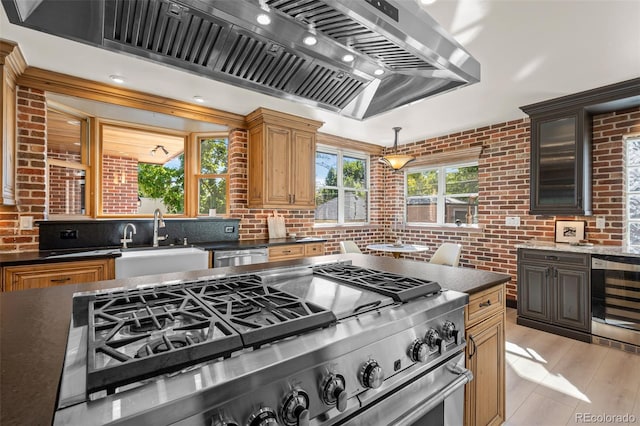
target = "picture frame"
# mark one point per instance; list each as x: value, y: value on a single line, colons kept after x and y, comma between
x: 570, y: 231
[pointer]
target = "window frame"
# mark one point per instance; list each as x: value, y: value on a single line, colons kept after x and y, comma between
x: 196, y: 138
x: 441, y: 196
x: 341, y: 153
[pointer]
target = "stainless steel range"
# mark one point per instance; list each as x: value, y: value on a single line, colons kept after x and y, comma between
x: 328, y: 344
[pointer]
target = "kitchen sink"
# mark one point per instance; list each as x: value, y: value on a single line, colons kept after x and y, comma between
x: 134, y: 263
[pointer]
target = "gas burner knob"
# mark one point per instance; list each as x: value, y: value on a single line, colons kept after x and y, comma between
x: 432, y: 338
x: 295, y: 408
x: 449, y: 331
x: 263, y: 417
x: 222, y: 420
x: 371, y: 374
x: 333, y: 391
x: 418, y: 351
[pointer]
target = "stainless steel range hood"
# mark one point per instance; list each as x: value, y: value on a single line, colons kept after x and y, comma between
x: 401, y: 54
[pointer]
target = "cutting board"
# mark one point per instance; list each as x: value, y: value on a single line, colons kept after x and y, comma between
x: 277, y: 227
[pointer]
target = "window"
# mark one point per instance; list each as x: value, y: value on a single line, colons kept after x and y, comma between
x: 441, y: 195
x: 633, y: 191
x: 67, y: 163
x: 213, y: 174
x: 342, y: 187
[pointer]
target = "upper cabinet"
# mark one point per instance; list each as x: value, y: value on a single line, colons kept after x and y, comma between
x: 12, y: 64
x: 281, y: 160
x: 561, y: 163
x: 561, y: 132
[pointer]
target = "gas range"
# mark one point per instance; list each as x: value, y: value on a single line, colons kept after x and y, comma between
x: 308, y: 345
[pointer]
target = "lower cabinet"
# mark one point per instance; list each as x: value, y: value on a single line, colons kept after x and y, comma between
x: 484, y: 328
x: 52, y: 274
x: 554, y: 292
x: 295, y: 251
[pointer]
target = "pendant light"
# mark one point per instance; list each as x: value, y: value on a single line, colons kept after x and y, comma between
x: 396, y: 161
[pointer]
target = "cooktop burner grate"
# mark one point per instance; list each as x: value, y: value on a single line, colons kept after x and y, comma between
x: 141, y: 333
x: 260, y: 313
x: 400, y: 288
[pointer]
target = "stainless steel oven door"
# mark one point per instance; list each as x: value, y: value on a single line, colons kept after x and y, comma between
x: 434, y: 398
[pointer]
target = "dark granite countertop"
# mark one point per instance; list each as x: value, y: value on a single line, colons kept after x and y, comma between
x: 47, y: 256
x: 34, y: 325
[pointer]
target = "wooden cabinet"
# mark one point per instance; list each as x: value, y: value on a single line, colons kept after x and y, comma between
x: 12, y: 64
x: 296, y: 251
x: 52, y: 274
x: 554, y: 292
x: 561, y: 163
x: 484, y: 328
x: 281, y: 160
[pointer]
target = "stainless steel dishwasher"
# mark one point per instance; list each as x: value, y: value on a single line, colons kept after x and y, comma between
x: 240, y: 257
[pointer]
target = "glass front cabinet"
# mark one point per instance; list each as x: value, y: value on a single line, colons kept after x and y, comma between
x: 561, y: 163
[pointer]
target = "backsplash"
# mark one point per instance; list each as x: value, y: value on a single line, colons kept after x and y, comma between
x: 65, y: 235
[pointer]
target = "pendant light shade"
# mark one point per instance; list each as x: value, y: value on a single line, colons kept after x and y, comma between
x: 396, y: 161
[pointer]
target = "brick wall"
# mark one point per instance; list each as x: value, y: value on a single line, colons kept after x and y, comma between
x: 64, y: 185
x: 119, y: 185
x: 30, y: 172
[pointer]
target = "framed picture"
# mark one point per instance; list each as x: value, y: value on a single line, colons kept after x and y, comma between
x: 569, y: 231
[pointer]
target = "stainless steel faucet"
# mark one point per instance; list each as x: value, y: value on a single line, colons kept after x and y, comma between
x: 158, y: 222
x: 124, y: 240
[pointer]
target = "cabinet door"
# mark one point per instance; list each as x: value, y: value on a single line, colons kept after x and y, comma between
x: 533, y: 291
x: 560, y: 164
x: 49, y: 275
x: 277, y: 166
x: 485, y: 359
x: 303, y: 155
x: 571, y: 297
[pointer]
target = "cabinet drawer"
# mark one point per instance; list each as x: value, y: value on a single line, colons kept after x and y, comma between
x: 484, y: 304
x: 314, y: 249
x: 575, y: 259
x: 49, y: 275
x: 292, y: 251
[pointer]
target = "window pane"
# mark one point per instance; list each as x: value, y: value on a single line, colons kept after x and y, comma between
x: 66, y: 191
x: 326, y: 205
x: 326, y: 169
x: 422, y: 209
x: 422, y: 183
x: 634, y: 234
x: 214, y: 156
x: 212, y: 194
x: 634, y: 179
x: 462, y: 180
x: 163, y: 184
x: 634, y: 206
x: 354, y: 173
x: 355, y: 206
x: 463, y: 209
x: 633, y: 152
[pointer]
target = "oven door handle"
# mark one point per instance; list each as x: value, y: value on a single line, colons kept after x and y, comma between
x: 464, y: 377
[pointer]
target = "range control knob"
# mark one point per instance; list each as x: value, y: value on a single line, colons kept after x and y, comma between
x: 333, y: 391
x: 418, y: 351
x: 295, y: 408
x: 222, y: 420
x: 449, y: 331
x: 371, y: 374
x: 432, y: 339
x: 263, y: 417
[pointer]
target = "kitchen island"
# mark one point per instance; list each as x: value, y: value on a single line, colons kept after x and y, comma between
x: 34, y: 325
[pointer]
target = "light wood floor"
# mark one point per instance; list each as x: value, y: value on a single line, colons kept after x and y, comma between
x: 553, y: 380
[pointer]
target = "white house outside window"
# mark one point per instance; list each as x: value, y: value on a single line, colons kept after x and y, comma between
x: 442, y: 195
x: 342, y: 186
x: 633, y: 191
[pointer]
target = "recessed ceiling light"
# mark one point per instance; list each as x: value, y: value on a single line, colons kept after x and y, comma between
x: 348, y: 58
x: 379, y: 71
x: 263, y: 19
x: 310, y: 40
x: 73, y: 122
x: 198, y: 99
x: 77, y: 143
x: 117, y: 79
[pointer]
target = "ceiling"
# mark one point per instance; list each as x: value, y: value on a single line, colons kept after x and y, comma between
x: 529, y: 51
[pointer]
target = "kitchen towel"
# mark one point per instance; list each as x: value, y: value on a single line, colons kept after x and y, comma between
x: 277, y: 228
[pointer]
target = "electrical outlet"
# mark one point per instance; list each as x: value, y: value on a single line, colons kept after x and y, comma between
x: 26, y: 222
x: 512, y: 221
x: 228, y: 229
x: 69, y: 234
x: 600, y: 224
